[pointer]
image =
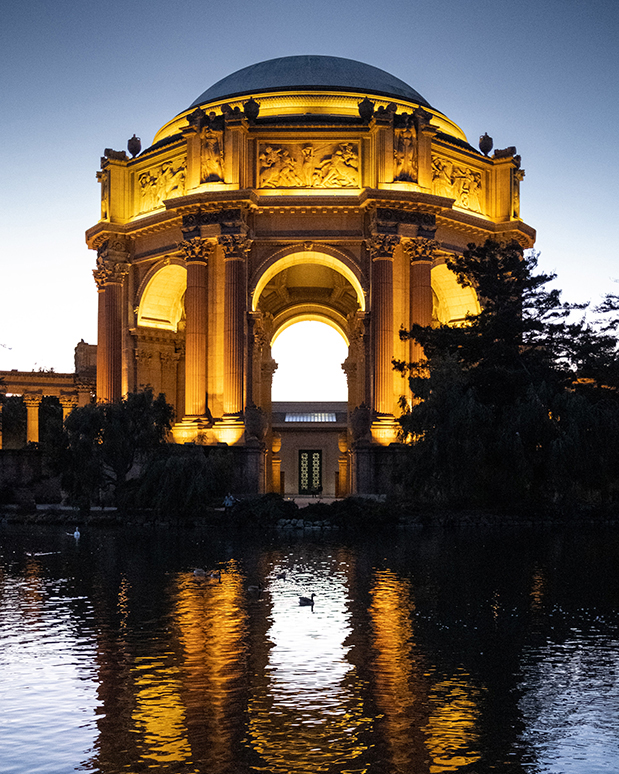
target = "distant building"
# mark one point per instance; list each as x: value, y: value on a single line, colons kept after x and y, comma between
x: 71, y: 390
x: 301, y: 188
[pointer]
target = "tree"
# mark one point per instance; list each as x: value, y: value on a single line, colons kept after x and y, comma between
x: 100, y: 444
x: 506, y: 406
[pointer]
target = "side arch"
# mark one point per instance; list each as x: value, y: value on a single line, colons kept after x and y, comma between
x: 453, y: 302
x: 160, y: 296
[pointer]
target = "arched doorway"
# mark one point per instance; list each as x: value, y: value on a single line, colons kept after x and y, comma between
x: 308, y: 434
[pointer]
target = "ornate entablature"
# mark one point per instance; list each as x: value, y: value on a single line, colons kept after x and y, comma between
x: 285, y: 193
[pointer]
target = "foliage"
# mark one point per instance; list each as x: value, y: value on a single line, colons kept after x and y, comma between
x: 13, y: 421
x: 519, y: 406
x: 183, y: 480
x: 100, y: 444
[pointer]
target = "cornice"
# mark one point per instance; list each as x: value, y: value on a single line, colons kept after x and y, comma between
x: 482, y: 228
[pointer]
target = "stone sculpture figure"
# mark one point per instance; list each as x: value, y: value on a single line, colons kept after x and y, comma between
x: 442, y: 181
x: 211, y: 168
x: 340, y: 170
x: 147, y: 184
x: 170, y: 182
x: 405, y: 155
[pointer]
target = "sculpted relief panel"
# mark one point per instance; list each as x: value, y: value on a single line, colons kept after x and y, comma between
x: 160, y: 183
x: 455, y: 182
x: 308, y: 165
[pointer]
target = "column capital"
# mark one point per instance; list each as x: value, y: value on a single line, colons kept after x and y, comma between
x: 197, y: 250
x: 382, y: 246
x: 110, y: 272
x: 420, y: 249
x: 236, y: 247
x: 32, y: 399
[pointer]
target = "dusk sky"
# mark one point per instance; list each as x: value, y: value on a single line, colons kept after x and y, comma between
x: 78, y: 77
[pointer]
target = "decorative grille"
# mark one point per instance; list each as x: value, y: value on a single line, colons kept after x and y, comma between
x: 310, y: 471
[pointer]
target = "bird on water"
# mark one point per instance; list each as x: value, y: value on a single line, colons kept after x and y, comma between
x: 305, y: 601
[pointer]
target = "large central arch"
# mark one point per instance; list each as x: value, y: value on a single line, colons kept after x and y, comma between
x: 292, y: 256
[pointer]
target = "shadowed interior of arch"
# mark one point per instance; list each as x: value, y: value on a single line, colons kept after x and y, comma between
x: 309, y: 355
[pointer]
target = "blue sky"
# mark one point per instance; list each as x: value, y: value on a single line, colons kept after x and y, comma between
x: 77, y: 77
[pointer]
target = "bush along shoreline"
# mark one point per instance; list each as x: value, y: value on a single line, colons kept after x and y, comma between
x: 273, y: 512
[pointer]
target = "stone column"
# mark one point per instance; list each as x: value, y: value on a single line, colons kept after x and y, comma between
x: 421, y: 253
x: 381, y: 250
x: 235, y: 249
x: 276, y: 464
x: 68, y: 403
x: 197, y: 252
x: 32, y: 402
x: 112, y: 268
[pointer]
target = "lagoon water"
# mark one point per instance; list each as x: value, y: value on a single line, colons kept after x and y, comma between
x: 469, y: 650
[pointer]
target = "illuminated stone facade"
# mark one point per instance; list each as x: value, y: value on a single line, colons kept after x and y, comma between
x: 304, y: 188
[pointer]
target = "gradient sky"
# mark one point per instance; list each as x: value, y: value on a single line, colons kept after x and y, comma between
x: 79, y: 76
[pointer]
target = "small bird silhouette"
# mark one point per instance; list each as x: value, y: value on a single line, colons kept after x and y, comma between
x: 305, y: 601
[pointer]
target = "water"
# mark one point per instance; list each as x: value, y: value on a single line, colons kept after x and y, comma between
x: 425, y: 651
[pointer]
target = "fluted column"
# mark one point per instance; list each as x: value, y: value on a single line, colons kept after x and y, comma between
x: 112, y: 268
x: 197, y: 252
x: 32, y: 402
x: 421, y: 253
x: 235, y: 249
x: 381, y: 250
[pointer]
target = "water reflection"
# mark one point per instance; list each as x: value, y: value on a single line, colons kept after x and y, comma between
x: 306, y: 707
x: 424, y: 653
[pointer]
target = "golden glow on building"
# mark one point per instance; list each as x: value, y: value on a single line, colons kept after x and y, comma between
x: 249, y: 213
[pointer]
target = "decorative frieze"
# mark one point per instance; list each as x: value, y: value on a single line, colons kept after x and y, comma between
x: 309, y: 165
x: 461, y: 183
x: 157, y: 184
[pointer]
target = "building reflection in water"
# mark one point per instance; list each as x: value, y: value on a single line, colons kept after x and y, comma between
x: 426, y: 725
x: 190, y: 697
x: 306, y: 706
x: 452, y: 730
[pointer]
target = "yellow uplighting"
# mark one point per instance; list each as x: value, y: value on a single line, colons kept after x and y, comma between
x: 331, y: 102
x: 161, y: 301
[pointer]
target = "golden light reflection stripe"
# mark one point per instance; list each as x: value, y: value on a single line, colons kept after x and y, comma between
x: 212, y: 621
x: 397, y: 672
x: 159, y: 713
x: 452, y: 737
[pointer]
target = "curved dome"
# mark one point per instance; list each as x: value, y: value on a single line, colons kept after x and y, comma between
x: 310, y: 73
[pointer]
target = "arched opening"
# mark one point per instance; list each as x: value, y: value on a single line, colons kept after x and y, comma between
x: 309, y: 355
x: 161, y: 303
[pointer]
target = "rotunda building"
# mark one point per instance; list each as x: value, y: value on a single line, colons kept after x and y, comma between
x: 301, y: 188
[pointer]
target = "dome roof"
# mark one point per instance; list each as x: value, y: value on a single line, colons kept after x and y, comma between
x: 310, y: 73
